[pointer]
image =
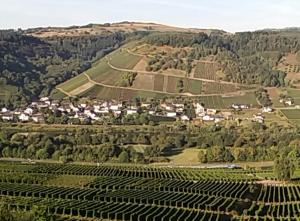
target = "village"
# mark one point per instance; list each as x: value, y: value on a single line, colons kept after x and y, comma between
x: 95, y: 111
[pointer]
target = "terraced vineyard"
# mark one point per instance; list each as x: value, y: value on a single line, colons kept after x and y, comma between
x: 146, y: 193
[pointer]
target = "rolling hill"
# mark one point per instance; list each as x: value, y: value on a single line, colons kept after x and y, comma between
x: 129, y: 60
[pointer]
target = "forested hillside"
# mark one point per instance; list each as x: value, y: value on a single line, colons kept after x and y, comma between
x: 33, y: 67
x: 248, y: 57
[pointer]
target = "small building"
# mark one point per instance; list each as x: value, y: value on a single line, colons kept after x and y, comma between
x: 38, y: 118
x: 4, y: 110
x: 44, y: 99
x: 8, y: 117
x: 171, y: 114
x: 199, y: 109
x: 24, y: 117
x: 28, y: 111
x: 131, y: 111
x: 267, y: 110
x: 258, y: 118
x: 185, y: 118
x: 208, y: 118
x: 211, y: 111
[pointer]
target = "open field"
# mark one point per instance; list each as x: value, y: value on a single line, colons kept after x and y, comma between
x: 220, y: 102
x: 293, y: 115
x: 73, y: 83
x: 194, y: 87
x: 138, y: 193
x: 185, y: 157
x: 274, y: 96
x: 122, y: 59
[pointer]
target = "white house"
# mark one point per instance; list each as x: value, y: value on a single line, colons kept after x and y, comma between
x: 28, y: 111
x: 4, y: 110
x: 267, y: 110
x: 199, y: 109
x: 178, y: 105
x: 7, y: 117
x: 185, y: 118
x: 218, y: 119
x: 23, y: 117
x: 208, y: 118
x: 115, y: 107
x: 44, y: 99
x: 171, y: 114
x: 289, y: 102
x: 75, y: 109
x: 244, y: 106
x: 258, y: 118
x: 211, y: 111
x: 37, y: 118
x: 145, y: 105
x: 152, y: 112
x: 83, y: 105
x: 167, y: 107
x: 235, y: 106
x: 131, y: 111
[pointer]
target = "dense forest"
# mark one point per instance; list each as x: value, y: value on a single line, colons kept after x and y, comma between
x: 35, y: 66
x: 100, y: 144
x: 247, y: 57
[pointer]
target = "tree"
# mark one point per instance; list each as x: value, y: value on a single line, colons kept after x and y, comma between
x: 285, y: 165
x: 202, y: 156
x: 123, y: 157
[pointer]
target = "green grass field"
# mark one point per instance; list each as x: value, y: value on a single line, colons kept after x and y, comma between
x: 74, y: 83
x: 247, y: 98
x: 292, y: 115
x: 194, y: 86
x: 123, y: 59
x: 220, y: 102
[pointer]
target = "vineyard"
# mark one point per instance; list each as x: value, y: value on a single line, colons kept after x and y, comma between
x: 206, y: 71
x: 293, y: 115
x: 118, y: 192
x: 218, y: 88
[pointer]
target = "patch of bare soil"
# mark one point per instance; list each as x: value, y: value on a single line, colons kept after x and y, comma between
x: 141, y: 65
